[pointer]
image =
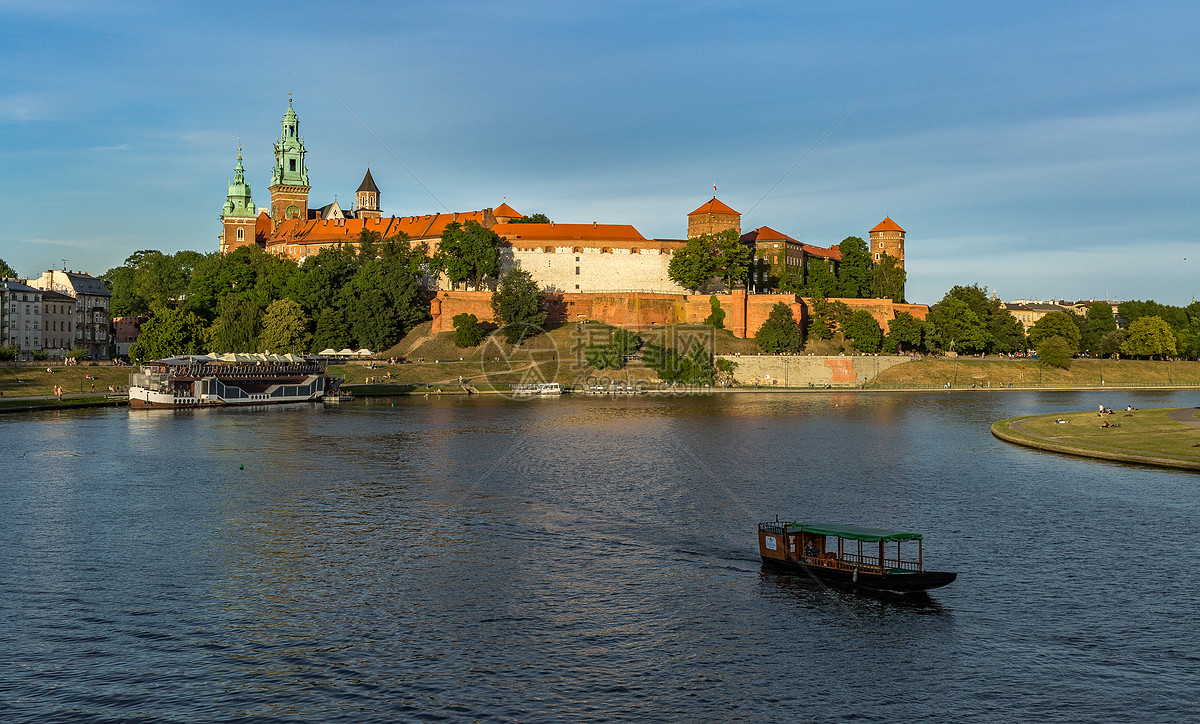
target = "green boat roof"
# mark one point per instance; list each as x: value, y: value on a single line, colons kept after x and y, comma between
x: 853, y: 532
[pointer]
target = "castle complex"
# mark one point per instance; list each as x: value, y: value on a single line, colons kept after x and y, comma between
x: 585, y: 258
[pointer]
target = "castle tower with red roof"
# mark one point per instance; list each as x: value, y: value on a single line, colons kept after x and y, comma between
x: 887, y: 238
x: 367, y: 198
x: 713, y: 217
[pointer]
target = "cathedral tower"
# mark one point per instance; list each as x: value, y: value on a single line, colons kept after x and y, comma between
x: 887, y: 238
x: 239, y: 213
x: 289, y: 180
x: 367, y: 198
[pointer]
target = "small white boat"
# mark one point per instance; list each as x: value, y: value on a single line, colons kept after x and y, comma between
x: 543, y: 388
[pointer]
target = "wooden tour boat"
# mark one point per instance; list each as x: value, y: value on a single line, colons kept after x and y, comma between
x: 836, y: 553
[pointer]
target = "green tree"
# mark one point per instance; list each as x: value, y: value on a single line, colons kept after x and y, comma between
x: 1056, y: 324
x: 693, y: 266
x: 603, y: 357
x: 518, y: 304
x: 952, y: 326
x: 1001, y: 330
x: 710, y: 256
x: 780, y: 334
x: 6, y: 271
x: 888, y: 278
x: 238, y: 327
x: 466, y: 330
x: 864, y: 331
x: 825, y: 316
x: 169, y: 332
x: 906, y: 331
x: 819, y: 280
x: 1110, y: 344
x: 1149, y: 337
x: 854, y: 271
x: 469, y: 253
x: 333, y: 329
x: 1099, y: 322
x: 1055, y: 351
x: 285, y: 328
x: 717, y: 317
x: 532, y: 219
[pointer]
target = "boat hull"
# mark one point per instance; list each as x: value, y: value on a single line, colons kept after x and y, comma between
x: 897, y: 582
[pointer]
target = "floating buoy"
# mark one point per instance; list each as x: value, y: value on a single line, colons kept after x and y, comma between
x: 241, y: 467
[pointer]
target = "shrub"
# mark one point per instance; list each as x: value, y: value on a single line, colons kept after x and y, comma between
x: 717, y: 318
x: 466, y: 330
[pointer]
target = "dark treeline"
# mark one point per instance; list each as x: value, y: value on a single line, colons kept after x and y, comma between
x: 968, y: 321
x: 363, y: 295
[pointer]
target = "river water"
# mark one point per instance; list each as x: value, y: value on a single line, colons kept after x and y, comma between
x: 481, y: 559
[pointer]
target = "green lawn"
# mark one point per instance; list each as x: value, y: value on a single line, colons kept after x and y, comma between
x: 1137, y: 434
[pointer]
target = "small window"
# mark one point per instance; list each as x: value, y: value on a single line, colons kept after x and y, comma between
x: 241, y: 235
x: 291, y: 164
x: 576, y: 271
x: 576, y: 286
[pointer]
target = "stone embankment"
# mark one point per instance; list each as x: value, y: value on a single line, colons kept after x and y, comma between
x: 805, y: 371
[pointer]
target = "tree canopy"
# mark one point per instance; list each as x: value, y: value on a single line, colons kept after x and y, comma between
x: 780, y: 334
x: 285, y: 328
x: 518, y: 305
x: 708, y: 257
x: 888, y: 278
x: 864, y: 332
x: 1056, y: 324
x: 1098, y: 322
x: 467, y: 253
x: 906, y: 331
x: 170, y: 332
x: 989, y: 327
x: 6, y: 271
x: 854, y: 271
x: 1149, y: 337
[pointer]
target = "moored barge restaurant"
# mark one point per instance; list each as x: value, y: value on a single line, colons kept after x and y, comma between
x: 229, y: 379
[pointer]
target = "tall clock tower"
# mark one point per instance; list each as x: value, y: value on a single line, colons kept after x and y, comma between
x: 289, y: 180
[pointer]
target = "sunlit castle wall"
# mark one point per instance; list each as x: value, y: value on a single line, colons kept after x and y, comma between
x: 589, y: 258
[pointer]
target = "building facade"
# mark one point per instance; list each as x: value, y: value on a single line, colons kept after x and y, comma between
x: 58, y: 323
x: 92, y: 323
x: 21, y: 319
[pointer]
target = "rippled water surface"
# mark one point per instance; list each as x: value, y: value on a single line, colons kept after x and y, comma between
x: 584, y: 560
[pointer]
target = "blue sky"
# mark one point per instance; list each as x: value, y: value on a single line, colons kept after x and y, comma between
x: 1040, y: 149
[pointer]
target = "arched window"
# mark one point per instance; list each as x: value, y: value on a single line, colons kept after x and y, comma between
x: 241, y: 234
x: 634, y: 251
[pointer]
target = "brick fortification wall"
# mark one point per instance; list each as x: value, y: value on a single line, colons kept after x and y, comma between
x: 744, y: 314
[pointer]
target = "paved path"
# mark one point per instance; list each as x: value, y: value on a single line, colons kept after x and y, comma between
x: 1186, y: 415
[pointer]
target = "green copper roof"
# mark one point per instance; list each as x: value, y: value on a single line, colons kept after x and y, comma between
x: 853, y: 532
x: 289, y: 153
x: 238, y: 202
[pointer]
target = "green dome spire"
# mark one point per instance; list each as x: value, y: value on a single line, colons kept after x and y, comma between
x: 238, y: 202
x: 289, y: 152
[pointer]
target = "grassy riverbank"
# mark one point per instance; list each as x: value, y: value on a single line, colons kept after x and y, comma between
x: 1167, y: 437
x: 973, y: 372
x: 21, y: 381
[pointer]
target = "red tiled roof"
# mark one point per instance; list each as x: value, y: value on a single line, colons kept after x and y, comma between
x: 333, y: 231
x: 831, y: 253
x: 507, y: 211
x: 568, y: 232
x: 766, y: 233
x: 887, y: 225
x: 713, y: 207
